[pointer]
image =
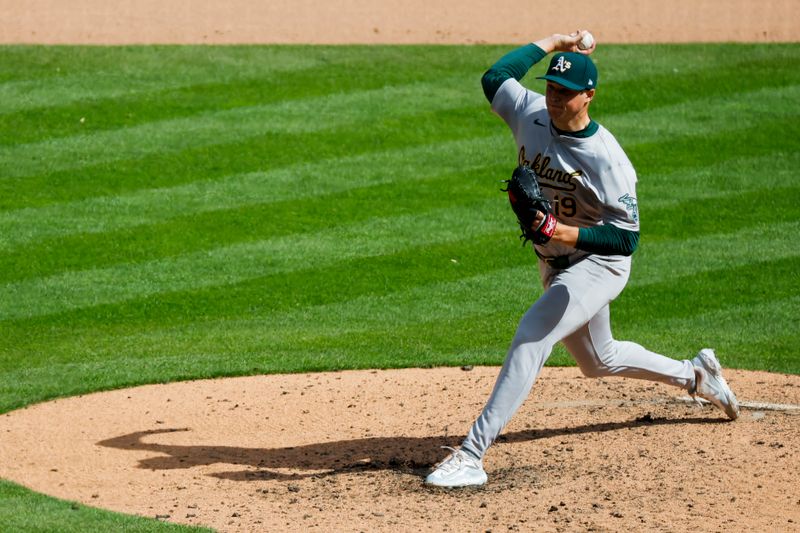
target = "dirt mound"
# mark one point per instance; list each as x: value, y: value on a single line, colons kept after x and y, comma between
x: 348, y: 451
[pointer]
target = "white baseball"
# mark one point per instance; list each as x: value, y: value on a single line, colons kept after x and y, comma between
x: 586, y: 41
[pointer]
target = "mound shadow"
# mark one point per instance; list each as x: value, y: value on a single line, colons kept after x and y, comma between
x: 398, y: 453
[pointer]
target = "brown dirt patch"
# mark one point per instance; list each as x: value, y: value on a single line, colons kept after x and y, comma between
x: 412, y: 21
x: 348, y: 451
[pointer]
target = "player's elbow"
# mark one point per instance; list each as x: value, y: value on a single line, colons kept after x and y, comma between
x: 490, y: 82
x: 629, y: 241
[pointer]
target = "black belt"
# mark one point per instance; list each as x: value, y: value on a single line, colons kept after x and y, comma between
x: 561, y: 262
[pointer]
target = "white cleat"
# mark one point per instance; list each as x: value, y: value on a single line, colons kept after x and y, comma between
x: 711, y: 386
x: 459, y: 469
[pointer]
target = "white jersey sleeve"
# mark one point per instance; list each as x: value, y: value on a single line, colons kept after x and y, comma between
x: 513, y: 103
x: 616, y: 186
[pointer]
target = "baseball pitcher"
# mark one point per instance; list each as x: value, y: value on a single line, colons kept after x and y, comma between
x: 574, y: 195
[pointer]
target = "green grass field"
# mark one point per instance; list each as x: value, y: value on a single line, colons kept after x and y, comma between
x: 171, y: 213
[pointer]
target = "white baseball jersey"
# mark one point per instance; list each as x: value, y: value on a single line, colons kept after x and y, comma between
x: 588, y: 180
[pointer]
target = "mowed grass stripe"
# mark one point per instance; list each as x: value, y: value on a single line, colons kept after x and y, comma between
x: 231, y: 264
x: 678, y: 258
x: 392, y: 273
x: 709, y: 66
x: 214, y: 229
x: 419, y: 344
x: 132, y: 108
x: 306, y: 181
x: 286, y: 292
x: 771, y: 174
x: 738, y: 332
x: 490, y: 334
x: 263, y: 152
x: 501, y: 295
x: 215, y: 127
x: 285, y: 81
x: 775, y: 138
x: 684, y: 256
x: 245, y: 260
x: 767, y: 280
x: 107, y: 98
x: 298, y: 182
x: 101, y: 179
x: 381, y: 312
x: 700, y: 215
x: 92, y: 101
x: 46, y: 75
x: 137, y: 105
x: 210, y: 163
x: 379, y: 235
x: 343, y: 280
x: 362, y: 107
x: 704, y: 115
x: 507, y: 291
x: 665, y: 220
x: 654, y: 83
x: 109, y: 213
x: 723, y: 189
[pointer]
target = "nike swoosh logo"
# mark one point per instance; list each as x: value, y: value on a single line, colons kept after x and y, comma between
x: 539, y: 123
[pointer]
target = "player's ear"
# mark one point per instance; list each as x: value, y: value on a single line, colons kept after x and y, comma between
x: 589, y: 95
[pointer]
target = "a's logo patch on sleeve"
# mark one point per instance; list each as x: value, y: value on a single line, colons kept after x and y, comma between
x: 631, y: 206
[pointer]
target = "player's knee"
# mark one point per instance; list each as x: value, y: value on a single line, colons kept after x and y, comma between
x: 595, y: 371
x: 602, y: 364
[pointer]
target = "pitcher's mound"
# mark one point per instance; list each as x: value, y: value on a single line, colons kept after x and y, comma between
x: 348, y: 451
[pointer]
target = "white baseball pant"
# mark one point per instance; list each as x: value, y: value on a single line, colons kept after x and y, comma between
x: 574, y: 308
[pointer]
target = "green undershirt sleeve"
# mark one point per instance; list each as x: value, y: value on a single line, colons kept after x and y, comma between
x: 607, y: 240
x: 514, y: 64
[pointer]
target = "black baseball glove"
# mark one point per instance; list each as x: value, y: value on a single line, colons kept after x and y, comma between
x: 526, y: 200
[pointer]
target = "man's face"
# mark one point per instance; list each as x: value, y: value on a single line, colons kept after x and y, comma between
x: 563, y: 104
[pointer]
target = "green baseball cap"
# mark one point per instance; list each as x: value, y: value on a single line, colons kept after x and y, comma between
x: 572, y: 70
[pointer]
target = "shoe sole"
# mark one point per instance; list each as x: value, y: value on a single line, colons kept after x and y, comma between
x: 457, y: 486
x: 445, y: 484
x: 712, y: 366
